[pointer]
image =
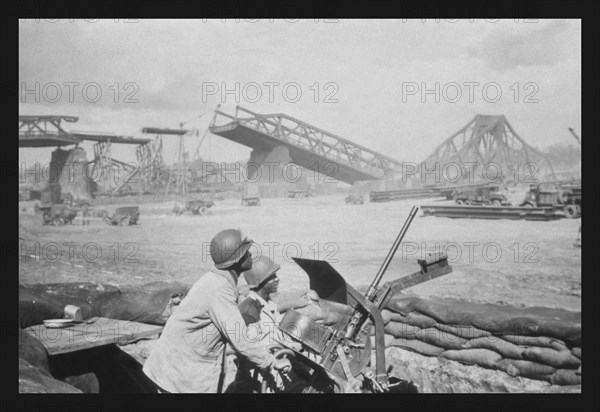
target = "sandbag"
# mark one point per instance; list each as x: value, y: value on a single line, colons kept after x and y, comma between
x: 326, y: 312
x: 504, y: 348
x: 565, y: 377
x: 386, y: 315
x: 418, y: 346
x: 90, y: 297
x: 150, y: 303
x: 578, y: 371
x: 542, y: 341
x: 467, y: 332
x: 401, y: 330
x: 498, y: 319
x: 335, y: 313
x: 87, y: 382
x: 389, y: 339
x: 436, y: 337
x: 402, y: 304
x: 414, y: 318
x: 432, y: 336
x: 555, y: 358
x: 526, y: 369
x: 284, y: 300
x: 37, y: 380
x: 33, y: 351
x: 35, y: 311
x: 577, y: 352
x: 482, y: 357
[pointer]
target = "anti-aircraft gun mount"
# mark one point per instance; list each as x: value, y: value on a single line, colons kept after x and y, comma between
x: 337, y: 354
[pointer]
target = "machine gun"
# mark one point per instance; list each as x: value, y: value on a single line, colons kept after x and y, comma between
x: 336, y: 354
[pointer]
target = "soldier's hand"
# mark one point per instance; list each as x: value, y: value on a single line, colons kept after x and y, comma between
x: 283, y: 365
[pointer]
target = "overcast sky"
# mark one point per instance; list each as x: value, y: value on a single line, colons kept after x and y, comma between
x: 359, y: 67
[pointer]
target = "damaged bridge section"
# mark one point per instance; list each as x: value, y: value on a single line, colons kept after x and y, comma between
x: 308, y: 146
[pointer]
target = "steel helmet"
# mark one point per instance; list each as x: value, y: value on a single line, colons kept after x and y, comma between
x: 227, y: 248
x: 261, y: 270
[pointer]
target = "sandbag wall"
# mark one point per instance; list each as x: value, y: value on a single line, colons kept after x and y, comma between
x: 95, y: 370
x: 150, y: 303
x: 536, y: 342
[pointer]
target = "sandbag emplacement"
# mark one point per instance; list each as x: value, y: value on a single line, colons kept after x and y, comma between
x: 431, y: 336
x: 33, y: 309
x: 150, y: 303
x: 467, y: 332
x: 402, y: 330
x: 532, y: 342
x: 504, y: 348
x: 555, y: 358
x: 414, y: 319
x: 417, y: 346
x: 482, y: 357
x: 565, y: 377
x: 498, y: 319
x: 542, y: 341
x: 90, y: 297
x: 526, y: 369
x: 436, y: 337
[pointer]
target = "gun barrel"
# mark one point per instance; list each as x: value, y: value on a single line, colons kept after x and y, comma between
x: 392, y: 252
x: 357, y: 317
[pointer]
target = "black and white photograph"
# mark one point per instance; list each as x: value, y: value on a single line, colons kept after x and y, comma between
x: 300, y: 206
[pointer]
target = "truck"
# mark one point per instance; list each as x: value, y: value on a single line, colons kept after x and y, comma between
x: 550, y: 194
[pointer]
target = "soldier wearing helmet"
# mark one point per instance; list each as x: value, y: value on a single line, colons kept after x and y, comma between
x: 189, y: 356
x: 262, y: 316
x: 262, y: 280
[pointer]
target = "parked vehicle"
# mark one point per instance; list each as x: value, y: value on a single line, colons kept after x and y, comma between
x: 549, y: 194
x: 355, y: 199
x: 56, y: 214
x: 486, y: 195
x: 250, y: 201
x: 195, y: 207
x: 123, y: 216
x: 300, y: 193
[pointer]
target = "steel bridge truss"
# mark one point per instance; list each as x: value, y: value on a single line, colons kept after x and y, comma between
x: 296, y: 133
x: 111, y: 174
x: 177, y: 173
x: 150, y: 161
x: 44, y: 131
x: 489, y: 139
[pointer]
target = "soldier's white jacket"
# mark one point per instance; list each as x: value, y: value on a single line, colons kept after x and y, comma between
x: 188, y: 355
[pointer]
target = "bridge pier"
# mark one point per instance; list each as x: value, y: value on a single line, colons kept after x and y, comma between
x: 66, y: 177
x: 272, y: 173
